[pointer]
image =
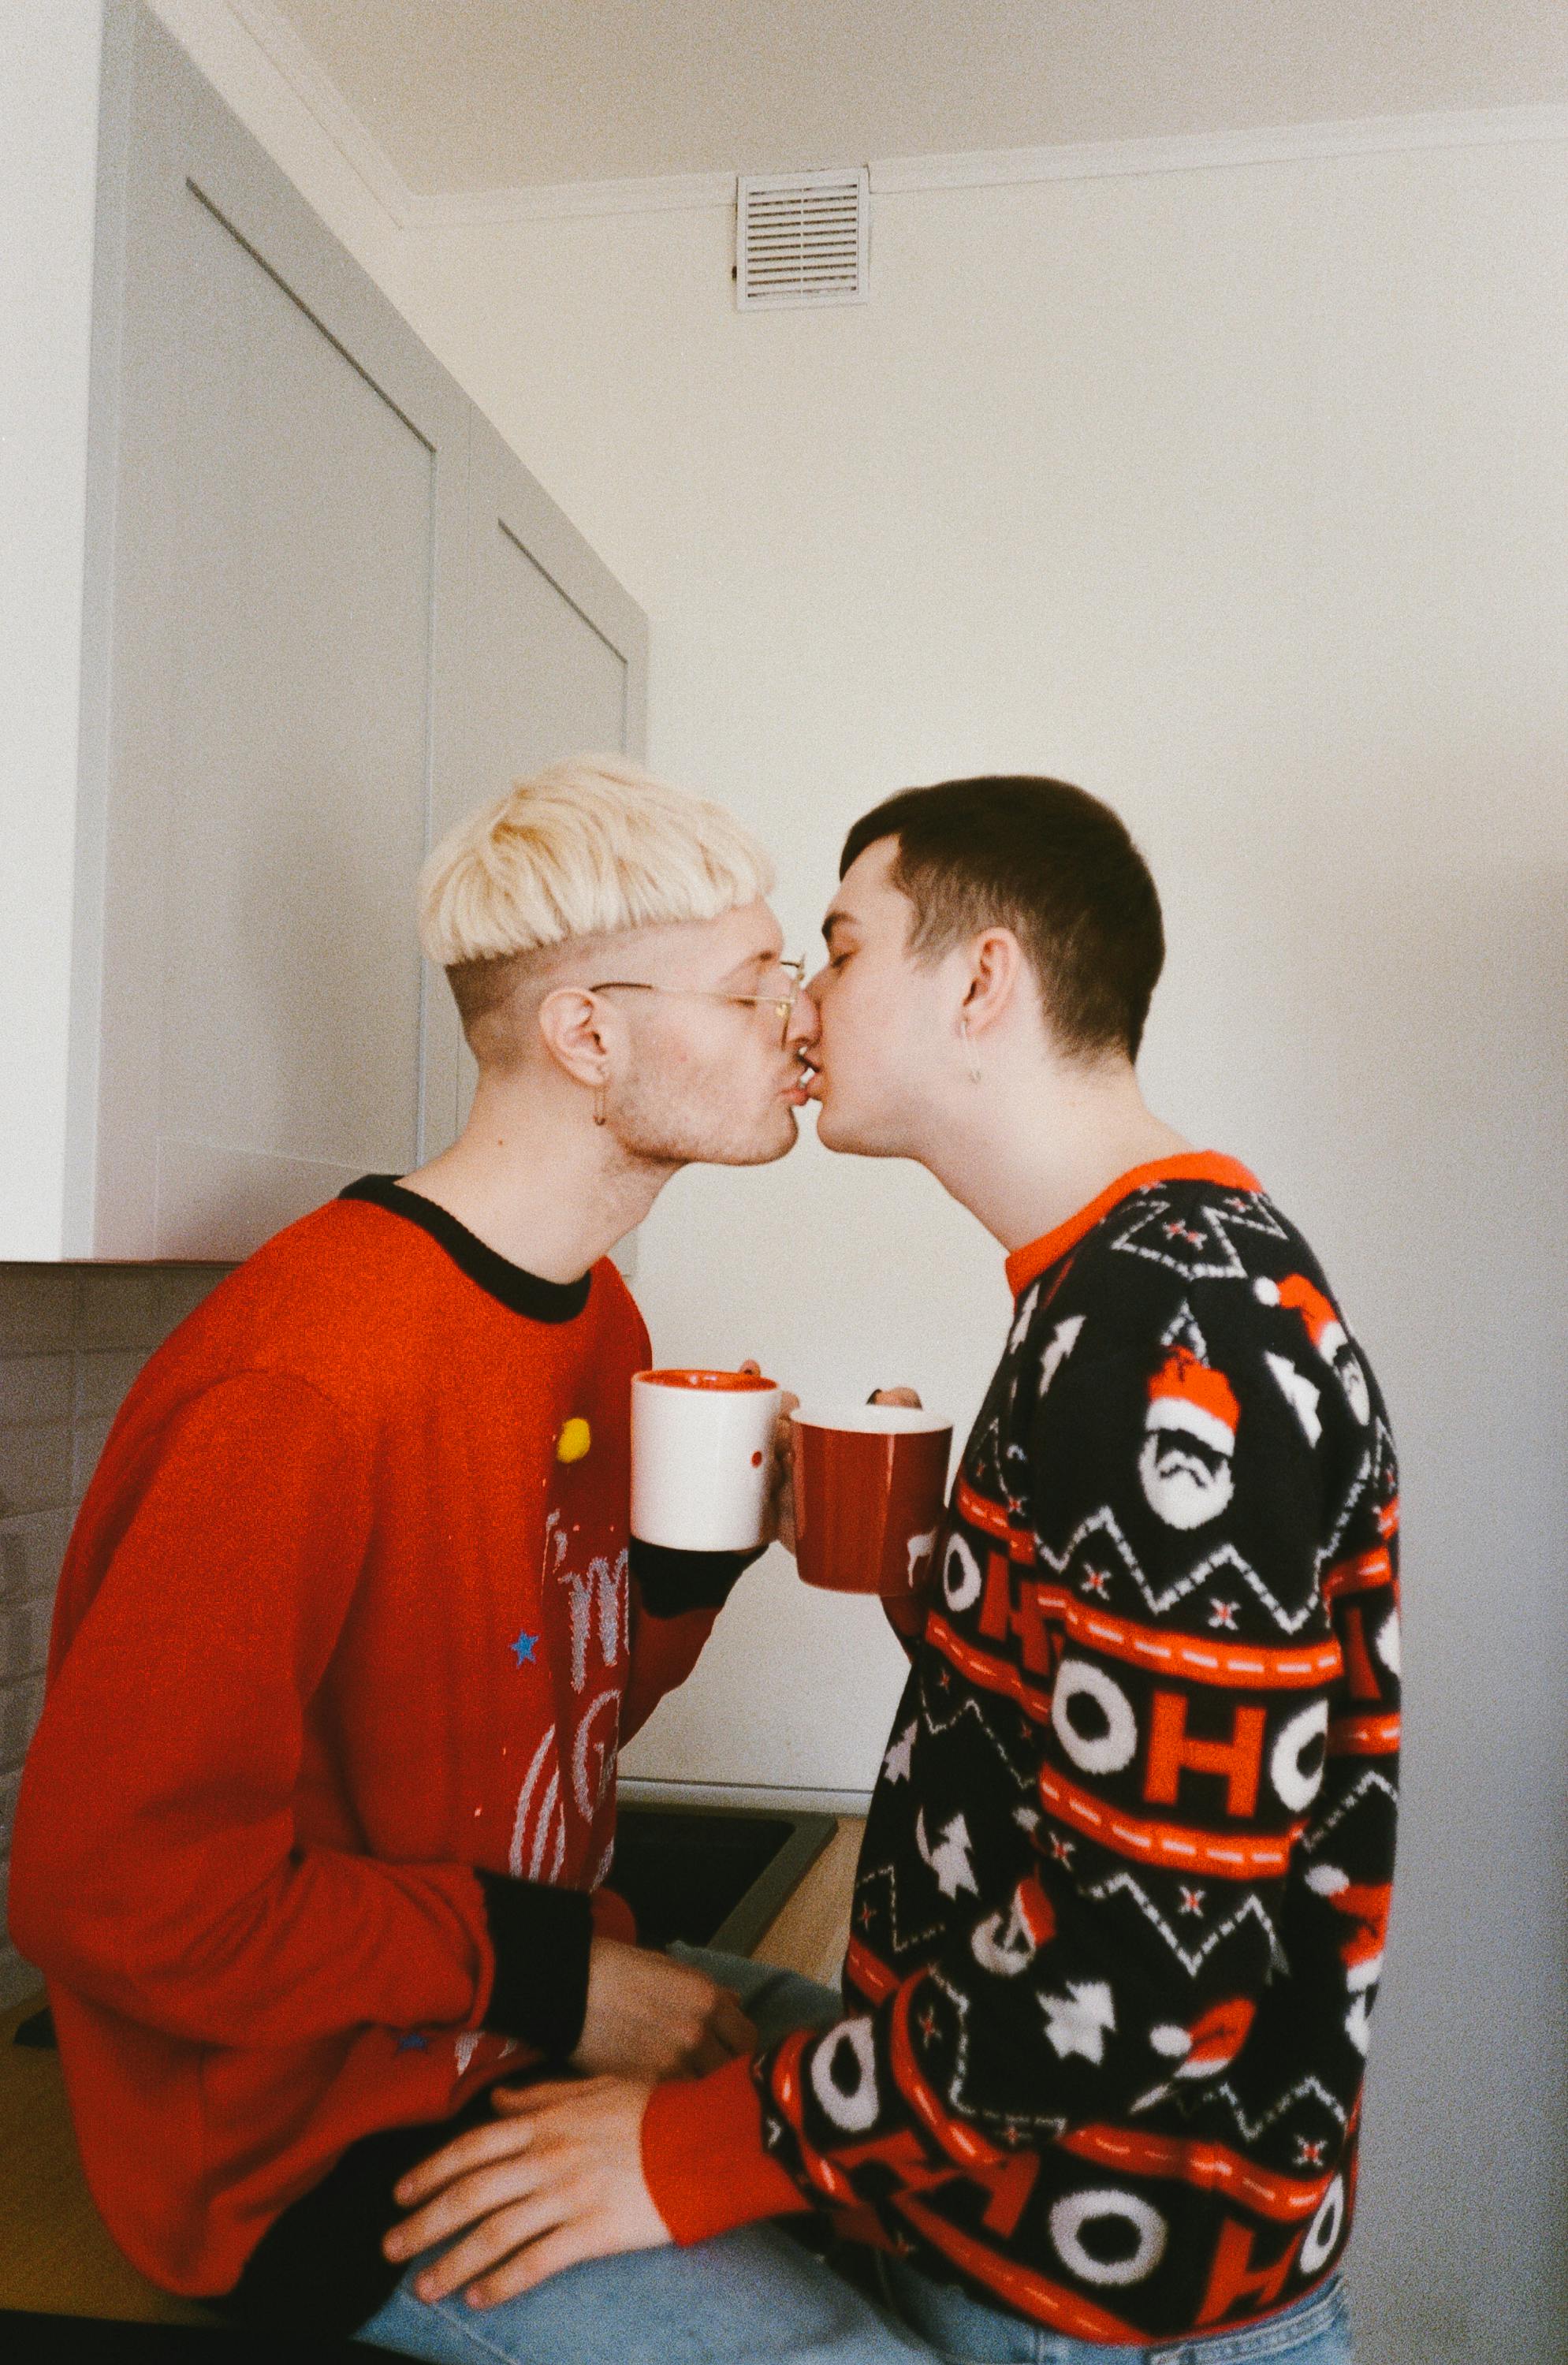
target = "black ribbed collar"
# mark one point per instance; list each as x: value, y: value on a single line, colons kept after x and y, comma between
x: 523, y: 1293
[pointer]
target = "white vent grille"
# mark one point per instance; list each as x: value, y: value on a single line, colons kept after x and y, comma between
x: 802, y: 237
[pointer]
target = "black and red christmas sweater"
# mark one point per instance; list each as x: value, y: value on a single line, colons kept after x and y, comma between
x: 1120, y: 1910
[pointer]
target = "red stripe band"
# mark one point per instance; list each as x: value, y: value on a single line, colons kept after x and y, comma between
x: 1359, y: 1575
x: 870, y: 1975
x: 990, y: 1517
x: 1287, y: 2198
x: 1228, y: 1858
x: 993, y: 1674
x: 1210, y: 1663
x: 1363, y: 1736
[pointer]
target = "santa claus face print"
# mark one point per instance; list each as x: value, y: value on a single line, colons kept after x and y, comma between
x: 1184, y: 1481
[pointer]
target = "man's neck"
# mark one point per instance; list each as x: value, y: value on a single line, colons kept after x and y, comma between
x: 539, y: 1186
x: 1028, y: 1152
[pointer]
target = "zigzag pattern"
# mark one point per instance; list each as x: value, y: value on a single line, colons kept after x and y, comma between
x: 1104, y: 1522
x: 1370, y: 1780
x: 1192, y: 1959
x: 1185, y: 1247
x: 1252, y: 2128
x: 902, y: 1939
x: 1020, y: 2126
x: 1022, y: 1774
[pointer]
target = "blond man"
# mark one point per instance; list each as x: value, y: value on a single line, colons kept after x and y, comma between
x: 312, y: 1835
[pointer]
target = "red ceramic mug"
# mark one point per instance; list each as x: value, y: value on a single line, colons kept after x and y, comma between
x: 870, y: 1488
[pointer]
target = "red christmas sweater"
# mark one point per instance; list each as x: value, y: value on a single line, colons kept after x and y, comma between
x: 1120, y: 1911
x: 343, y: 1650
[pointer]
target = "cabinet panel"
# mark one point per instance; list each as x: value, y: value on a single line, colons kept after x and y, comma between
x: 298, y: 775
x: 287, y: 557
x: 329, y: 612
x: 559, y: 686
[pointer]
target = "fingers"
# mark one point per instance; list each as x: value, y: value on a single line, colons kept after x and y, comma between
x: 491, y: 2193
x: 495, y: 2238
x: 518, y: 2101
x: 896, y: 1396
x: 583, y: 2238
x: 787, y: 1403
x: 474, y: 2150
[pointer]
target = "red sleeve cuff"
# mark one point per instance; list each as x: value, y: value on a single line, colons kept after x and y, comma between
x: 703, y: 2158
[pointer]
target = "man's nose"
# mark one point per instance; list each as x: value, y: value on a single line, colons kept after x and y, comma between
x: 806, y: 1019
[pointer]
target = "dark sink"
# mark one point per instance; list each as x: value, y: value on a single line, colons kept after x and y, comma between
x: 711, y: 1875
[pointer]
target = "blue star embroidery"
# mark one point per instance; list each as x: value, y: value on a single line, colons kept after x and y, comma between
x: 523, y: 1648
x: 412, y: 2045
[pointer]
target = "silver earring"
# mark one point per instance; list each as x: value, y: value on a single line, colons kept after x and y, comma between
x: 599, y: 1106
x: 974, y: 1063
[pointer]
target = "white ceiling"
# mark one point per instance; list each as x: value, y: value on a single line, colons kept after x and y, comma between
x: 475, y: 95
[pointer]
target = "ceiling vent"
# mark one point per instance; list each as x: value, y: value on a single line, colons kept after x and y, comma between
x: 802, y: 237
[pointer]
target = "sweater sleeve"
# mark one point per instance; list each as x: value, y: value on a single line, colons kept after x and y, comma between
x: 1050, y: 2012
x: 676, y: 1599
x: 156, y: 1866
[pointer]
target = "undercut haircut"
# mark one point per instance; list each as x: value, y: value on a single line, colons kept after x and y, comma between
x: 1052, y: 864
x: 587, y: 848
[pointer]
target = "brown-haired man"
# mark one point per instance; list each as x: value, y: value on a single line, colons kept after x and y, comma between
x: 1120, y: 1908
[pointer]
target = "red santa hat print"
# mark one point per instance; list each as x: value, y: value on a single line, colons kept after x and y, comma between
x: 1330, y: 1338
x: 1190, y: 1395
x: 1208, y: 2044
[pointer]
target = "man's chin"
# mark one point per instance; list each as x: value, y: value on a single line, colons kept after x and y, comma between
x: 837, y: 1131
x: 765, y: 1149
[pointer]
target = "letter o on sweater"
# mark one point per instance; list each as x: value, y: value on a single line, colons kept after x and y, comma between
x: 844, y: 2075
x: 1079, y: 2210
x: 1295, y: 1785
x: 965, y: 1590
x: 1103, y: 1752
x: 1324, y: 2230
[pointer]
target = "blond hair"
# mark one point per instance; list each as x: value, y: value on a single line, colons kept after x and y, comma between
x: 588, y: 847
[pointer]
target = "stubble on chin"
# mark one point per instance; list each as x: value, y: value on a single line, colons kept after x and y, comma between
x: 692, y: 1138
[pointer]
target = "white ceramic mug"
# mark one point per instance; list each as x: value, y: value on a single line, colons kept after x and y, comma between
x: 702, y: 1458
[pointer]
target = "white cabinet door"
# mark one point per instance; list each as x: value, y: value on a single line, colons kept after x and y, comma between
x: 330, y: 612
x: 290, y: 472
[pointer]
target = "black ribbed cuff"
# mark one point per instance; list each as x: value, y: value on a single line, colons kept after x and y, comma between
x: 670, y: 1582
x: 542, y: 1937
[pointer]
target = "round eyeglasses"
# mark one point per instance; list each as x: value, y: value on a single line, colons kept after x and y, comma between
x: 784, y: 1004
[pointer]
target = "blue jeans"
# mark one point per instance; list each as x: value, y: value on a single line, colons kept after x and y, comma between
x: 758, y: 2297
x: 1316, y: 2331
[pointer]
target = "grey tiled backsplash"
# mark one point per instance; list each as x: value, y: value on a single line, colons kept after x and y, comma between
x: 72, y: 1338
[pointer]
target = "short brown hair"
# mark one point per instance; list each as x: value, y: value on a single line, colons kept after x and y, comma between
x: 1051, y: 863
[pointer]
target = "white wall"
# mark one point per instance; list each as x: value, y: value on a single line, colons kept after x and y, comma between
x: 1239, y: 496
x: 49, y: 126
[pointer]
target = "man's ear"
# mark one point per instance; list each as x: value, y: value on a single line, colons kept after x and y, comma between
x: 576, y: 1028
x: 995, y: 965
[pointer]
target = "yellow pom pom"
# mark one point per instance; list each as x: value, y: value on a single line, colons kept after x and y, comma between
x: 573, y: 1441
